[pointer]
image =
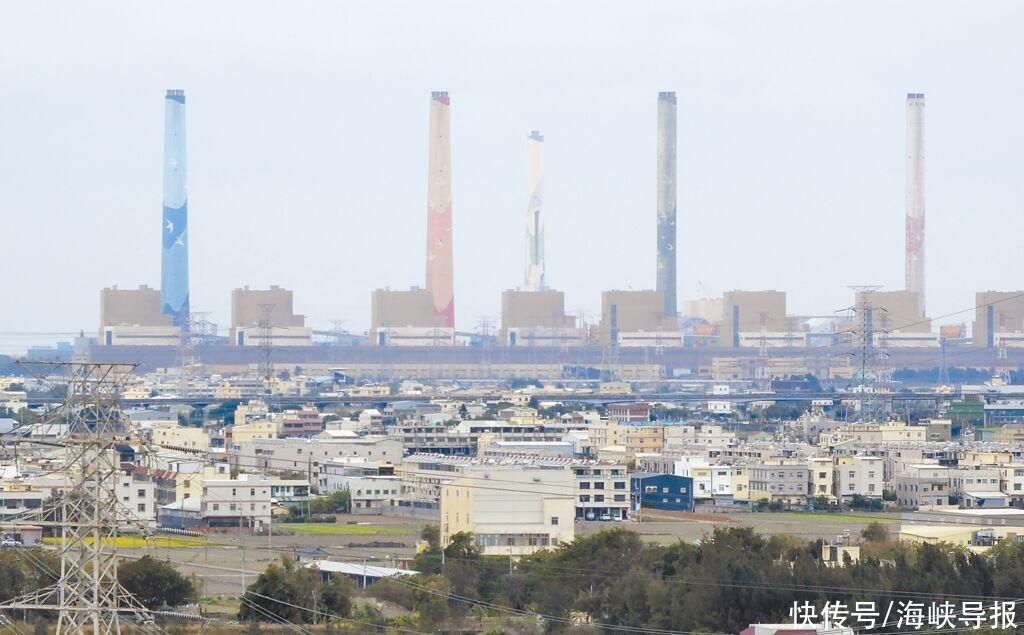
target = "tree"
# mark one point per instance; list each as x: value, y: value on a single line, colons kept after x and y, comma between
x: 428, y: 561
x: 155, y: 583
x: 431, y: 602
x: 336, y: 503
x: 875, y: 532
x: 296, y: 594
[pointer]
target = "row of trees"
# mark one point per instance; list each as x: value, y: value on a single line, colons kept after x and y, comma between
x: 156, y: 584
x: 730, y: 580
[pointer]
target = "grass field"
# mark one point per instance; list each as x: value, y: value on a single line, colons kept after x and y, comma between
x: 337, y: 529
x: 137, y: 541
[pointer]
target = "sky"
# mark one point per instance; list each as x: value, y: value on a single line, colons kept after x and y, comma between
x: 307, y: 148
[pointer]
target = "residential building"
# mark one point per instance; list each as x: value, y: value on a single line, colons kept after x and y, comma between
x: 235, y: 503
x: 858, y: 476
x: 923, y: 486
x: 779, y: 481
x: 511, y: 510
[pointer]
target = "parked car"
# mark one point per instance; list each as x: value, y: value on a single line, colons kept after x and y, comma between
x: 10, y: 542
x: 606, y: 517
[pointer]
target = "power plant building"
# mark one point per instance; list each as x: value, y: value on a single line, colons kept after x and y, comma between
x: 750, y: 318
x: 135, y: 317
x: 895, y: 311
x: 537, y: 318
x: 407, y: 318
x: 440, y: 275
x: 915, y: 216
x: 174, y: 292
x: 998, y: 319
x: 666, y: 276
x: 637, y: 318
x: 259, y: 315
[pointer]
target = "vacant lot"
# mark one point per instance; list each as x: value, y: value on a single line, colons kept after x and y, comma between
x: 668, y: 527
x: 337, y: 529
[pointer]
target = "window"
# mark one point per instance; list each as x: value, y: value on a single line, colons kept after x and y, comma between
x: 142, y: 507
x: 234, y: 492
x: 620, y: 485
x: 598, y: 485
x: 584, y: 485
x: 554, y: 521
x: 619, y: 498
x: 216, y: 507
x: 142, y: 493
x: 252, y: 491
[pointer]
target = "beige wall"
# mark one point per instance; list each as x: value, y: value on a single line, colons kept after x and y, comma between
x: 393, y: 309
x: 246, y: 307
x: 527, y: 309
x: 1007, y: 314
x: 895, y: 311
x: 749, y: 307
x: 637, y: 311
x: 125, y: 307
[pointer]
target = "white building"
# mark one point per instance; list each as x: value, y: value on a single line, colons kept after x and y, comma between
x: 137, y: 500
x: 511, y: 510
x: 232, y: 503
x: 858, y: 475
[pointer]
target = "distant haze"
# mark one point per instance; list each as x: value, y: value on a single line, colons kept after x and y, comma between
x: 307, y: 142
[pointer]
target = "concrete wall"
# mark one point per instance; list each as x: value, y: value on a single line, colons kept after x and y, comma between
x: 896, y: 311
x: 637, y: 311
x: 126, y: 307
x: 741, y: 311
x: 414, y: 307
x: 1005, y: 309
x: 246, y: 307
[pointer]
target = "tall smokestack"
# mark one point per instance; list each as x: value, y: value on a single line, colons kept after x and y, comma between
x: 915, y: 197
x: 174, y: 261
x: 667, y: 200
x: 439, y: 210
x: 535, y: 211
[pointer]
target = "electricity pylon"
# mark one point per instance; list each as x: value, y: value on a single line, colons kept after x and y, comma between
x: 88, y: 515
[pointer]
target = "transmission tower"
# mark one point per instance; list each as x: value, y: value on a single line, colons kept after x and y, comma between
x: 195, y: 330
x: 483, y: 327
x: 866, y: 353
x: 88, y: 515
x: 264, y: 365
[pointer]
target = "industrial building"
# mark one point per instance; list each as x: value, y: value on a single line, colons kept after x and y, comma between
x: 407, y: 318
x: 750, y: 317
x: 998, y: 319
x: 637, y: 318
x: 258, y: 315
x: 134, y: 317
x: 537, y: 318
x: 895, y: 311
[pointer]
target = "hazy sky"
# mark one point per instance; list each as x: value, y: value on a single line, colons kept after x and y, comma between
x: 307, y: 131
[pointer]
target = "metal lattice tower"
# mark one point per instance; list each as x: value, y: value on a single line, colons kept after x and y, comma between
x: 866, y: 353
x: 264, y: 365
x: 196, y: 329
x: 88, y: 516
